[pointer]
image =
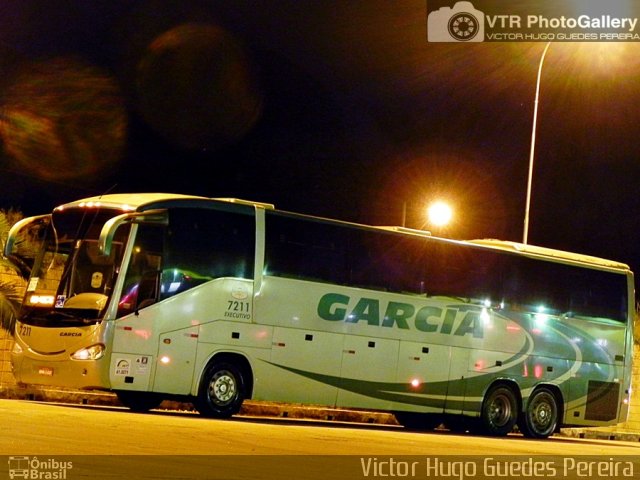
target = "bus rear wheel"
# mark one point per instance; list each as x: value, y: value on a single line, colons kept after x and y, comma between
x: 540, y: 418
x: 499, y: 411
x: 222, y: 391
x: 139, y: 401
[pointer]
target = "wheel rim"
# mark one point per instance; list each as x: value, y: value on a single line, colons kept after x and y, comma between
x: 542, y: 413
x: 222, y: 388
x: 500, y: 411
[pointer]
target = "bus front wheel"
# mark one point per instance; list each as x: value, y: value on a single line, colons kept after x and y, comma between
x: 540, y: 418
x: 221, y: 392
x: 499, y: 411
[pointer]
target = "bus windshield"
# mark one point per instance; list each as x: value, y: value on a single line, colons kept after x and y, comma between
x: 71, y: 283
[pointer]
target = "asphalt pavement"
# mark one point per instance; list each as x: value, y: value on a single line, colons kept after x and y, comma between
x: 270, y: 409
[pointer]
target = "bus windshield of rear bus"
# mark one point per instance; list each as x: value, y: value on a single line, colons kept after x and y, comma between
x: 71, y: 282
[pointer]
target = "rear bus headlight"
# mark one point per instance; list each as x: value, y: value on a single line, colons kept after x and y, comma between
x: 94, y: 352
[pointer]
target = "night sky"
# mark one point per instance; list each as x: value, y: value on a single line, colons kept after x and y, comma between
x: 331, y: 108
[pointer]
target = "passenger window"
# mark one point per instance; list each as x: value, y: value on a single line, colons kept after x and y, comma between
x: 141, y: 284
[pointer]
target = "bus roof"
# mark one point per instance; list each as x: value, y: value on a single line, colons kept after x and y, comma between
x: 145, y: 201
x: 549, y: 253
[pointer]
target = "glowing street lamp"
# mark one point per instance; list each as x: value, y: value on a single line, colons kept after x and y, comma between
x: 439, y: 214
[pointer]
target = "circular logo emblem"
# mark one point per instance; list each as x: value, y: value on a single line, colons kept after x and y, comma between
x: 463, y: 26
x: 239, y: 292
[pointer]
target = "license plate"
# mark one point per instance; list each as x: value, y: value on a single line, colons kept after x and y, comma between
x: 46, y: 371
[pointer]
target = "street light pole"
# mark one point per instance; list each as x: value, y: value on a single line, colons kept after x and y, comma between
x: 533, y: 147
x: 404, y: 214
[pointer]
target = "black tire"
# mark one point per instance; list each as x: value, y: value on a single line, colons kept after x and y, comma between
x: 139, y: 401
x: 499, y: 411
x: 540, y: 417
x: 418, y: 421
x: 222, y: 391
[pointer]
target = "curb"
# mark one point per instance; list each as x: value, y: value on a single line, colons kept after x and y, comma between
x: 605, y: 434
x: 251, y: 408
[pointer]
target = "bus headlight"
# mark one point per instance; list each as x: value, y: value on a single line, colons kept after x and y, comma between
x: 17, y: 349
x: 94, y: 352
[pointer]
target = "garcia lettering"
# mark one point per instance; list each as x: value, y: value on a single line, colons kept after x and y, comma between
x: 455, y: 320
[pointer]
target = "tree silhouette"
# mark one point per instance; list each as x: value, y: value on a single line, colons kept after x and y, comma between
x: 10, y: 290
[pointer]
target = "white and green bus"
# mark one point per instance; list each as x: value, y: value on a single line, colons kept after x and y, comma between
x: 214, y: 301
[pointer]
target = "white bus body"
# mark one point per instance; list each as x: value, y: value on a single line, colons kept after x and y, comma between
x: 159, y: 296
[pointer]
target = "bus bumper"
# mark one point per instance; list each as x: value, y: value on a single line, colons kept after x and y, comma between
x: 30, y: 368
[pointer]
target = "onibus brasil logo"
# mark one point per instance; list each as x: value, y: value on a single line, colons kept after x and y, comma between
x: 37, y: 469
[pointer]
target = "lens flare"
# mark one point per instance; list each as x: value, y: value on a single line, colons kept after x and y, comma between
x: 62, y: 119
x: 196, y: 88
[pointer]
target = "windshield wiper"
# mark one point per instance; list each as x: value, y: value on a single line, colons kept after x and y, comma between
x: 58, y: 318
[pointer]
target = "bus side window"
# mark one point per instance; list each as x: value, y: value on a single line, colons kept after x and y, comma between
x: 141, y: 284
x: 202, y: 245
x: 148, y: 289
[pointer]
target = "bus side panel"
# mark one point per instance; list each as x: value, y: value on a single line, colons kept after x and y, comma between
x: 307, y: 366
x: 598, y: 388
x: 369, y: 368
x: 306, y: 356
x: 423, y: 374
x: 595, y: 395
x: 458, y: 377
x: 176, y: 360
